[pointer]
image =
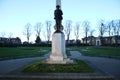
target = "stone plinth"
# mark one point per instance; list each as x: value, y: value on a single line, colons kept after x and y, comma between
x: 58, y: 47
x: 58, y: 55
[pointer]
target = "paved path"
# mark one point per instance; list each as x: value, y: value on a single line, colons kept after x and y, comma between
x: 8, y: 66
x: 111, y: 66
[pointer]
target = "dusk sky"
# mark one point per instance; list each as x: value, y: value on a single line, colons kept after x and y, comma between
x: 15, y: 14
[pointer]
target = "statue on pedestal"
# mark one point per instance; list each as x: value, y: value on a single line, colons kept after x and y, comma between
x: 58, y: 17
x: 58, y: 54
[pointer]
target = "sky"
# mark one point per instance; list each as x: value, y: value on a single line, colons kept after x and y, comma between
x: 15, y: 14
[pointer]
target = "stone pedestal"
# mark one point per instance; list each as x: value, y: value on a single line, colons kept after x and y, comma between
x: 58, y: 55
x: 58, y: 47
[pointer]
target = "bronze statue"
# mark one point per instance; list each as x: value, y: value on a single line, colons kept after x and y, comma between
x: 58, y: 17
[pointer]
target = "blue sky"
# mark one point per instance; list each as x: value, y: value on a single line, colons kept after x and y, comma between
x: 15, y: 14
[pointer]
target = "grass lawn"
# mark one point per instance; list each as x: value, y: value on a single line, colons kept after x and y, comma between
x: 112, y: 52
x: 40, y: 67
x: 18, y: 52
x: 68, y: 53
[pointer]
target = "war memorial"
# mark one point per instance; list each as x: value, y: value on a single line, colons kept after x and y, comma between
x: 58, y: 56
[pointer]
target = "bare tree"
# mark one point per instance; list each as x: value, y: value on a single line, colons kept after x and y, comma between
x: 38, y: 29
x: 48, y: 29
x: 68, y: 29
x: 114, y: 27
x: 118, y: 30
x: 91, y: 32
x: 3, y: 34
x: 27, y: 32
x: 10, y: 35
x: 91, y: 38
x: 109, y: 28
x: 102, y: 28
x: 77, y: 31
x: 86, y: 27
x: 118, y: 27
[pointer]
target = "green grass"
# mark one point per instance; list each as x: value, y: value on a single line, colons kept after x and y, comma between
x: 39, y: 67
x: 17, y: 52
x: 68, y: 53
x: 111, y: 52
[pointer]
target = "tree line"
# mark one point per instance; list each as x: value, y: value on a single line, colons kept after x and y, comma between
x: 110, y: 28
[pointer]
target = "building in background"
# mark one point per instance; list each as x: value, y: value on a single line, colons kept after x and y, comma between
x: 14, y: 41
x: 91, y: 40
x: 98, y: 41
